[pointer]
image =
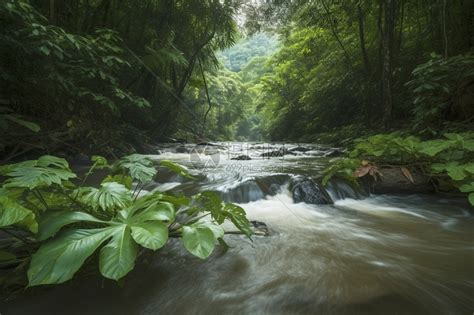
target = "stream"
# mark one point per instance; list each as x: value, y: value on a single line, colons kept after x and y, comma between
x: 364, y: 254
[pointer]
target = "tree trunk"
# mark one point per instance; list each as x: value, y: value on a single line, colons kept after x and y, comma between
x: 52, y: 12
x: 334, y: 32
x: 445, y: 34
x: 387, y: 47
x: 362, y: 38
x: 207, y: 96
x: 400, y: 32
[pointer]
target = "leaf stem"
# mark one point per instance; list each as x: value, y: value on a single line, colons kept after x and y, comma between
x: 21, y: 238
x: 138, y: 194
x: 191, y: 221
x: 38, y: 195
x: 73, y: 200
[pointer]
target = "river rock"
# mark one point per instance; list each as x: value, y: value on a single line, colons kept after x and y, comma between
x: 242, y: 158
x: 254, y: 189
x: 314, y: 153
x: 334, y: 152
x: 304, y: 189
x: 276, y: 153
x: 299, y: 149
x: 207, y: 144
x: 182, y: 149
x: 393, y: 181
x: 341, y: 189
x: 260, y: 227
x: 175, y: 140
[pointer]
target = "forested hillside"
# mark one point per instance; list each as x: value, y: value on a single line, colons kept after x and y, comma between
x: 365, y: 65
x: 358, y: 65
x: 105, y: 76
x: 258, y: 45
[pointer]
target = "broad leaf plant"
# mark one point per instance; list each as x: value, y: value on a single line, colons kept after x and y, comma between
x: 44, y: 204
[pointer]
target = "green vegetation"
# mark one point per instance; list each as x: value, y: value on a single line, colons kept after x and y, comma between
x: 447, y: 160
x: 332, y: 72
x: 348, y: 69
x: 236, y: 57
x: 104, y: 77
x: 56, y: 223
x: 87, y: 83
x: 393, y: 79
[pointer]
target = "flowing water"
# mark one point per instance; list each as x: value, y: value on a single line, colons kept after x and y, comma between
x: 386, y: 254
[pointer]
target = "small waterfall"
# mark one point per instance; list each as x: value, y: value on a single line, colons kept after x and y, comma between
x: 339, y: 189
x: 243, y: 193
x: 253, y: 189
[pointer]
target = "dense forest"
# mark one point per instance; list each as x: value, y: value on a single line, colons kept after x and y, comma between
x: 366, y: 65
x: 92, y: 74
x: 100, y: 99
x: 83, y: 76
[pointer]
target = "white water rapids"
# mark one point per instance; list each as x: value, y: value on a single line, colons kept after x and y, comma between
x: 387, y: 254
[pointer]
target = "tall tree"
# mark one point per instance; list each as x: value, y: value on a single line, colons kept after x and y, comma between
x: 389, y: 18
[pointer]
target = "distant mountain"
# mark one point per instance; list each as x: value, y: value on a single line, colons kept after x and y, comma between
x: 258, y: 45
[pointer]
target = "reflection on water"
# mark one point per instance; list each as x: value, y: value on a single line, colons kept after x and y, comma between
x: 379, y: 255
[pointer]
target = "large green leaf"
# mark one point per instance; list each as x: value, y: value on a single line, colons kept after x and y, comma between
x: 144, y: 225
x: 127, y: 181
x: 45, y: 171
x: 157, y: 211
x: 469, y: 145
x: 108, y: 197
x: 181, y: 170
x: 433, y: 147
x: 117, y: 258
x: 238, y: 217
x: 12, y: 213
x: 456, y: 172
x: 469, y: 167
x: 58, y: 259
x: 27, y: 124
x: 217, y: 230
x: 210, y: 201
x: 471, y: 198
x: 199, y: 240
x: 467, y: 187
x: 52, y: 161
x: 454, y: 169
x: 152, y: 235
x: 139, y: 167
x: 52, y: 222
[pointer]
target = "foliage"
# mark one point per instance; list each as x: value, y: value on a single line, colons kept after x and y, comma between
x: 228, y: 97
x: 6, y: 118
x: 45, y: 68
x: 110, y: 196
x: 13, y: 213
x: 45, y: 171
x: 138, y: 166
x: 449, y: 157
x: 345, y: 63
x: 93, y: 84
x: 236, y: 57
x: 439, y: 86
x: 69, y: 223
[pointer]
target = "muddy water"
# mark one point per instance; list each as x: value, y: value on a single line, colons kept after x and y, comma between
x: 386, y: 254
